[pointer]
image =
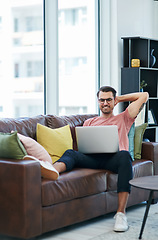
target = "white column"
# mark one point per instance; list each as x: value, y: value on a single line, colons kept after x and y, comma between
x: 105, y: 42
x: 109, y: 43
x: 51, y: 56
x: 155, y: 20
x: 114, y: 45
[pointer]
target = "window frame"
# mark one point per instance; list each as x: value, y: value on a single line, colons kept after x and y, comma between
x: 51, y: 78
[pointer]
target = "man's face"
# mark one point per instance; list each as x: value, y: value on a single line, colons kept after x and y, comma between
x: 106, y: 102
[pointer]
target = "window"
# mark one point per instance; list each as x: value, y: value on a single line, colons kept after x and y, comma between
x: 34, y: 68
x: 16, y: 73
x: 21, y: 58
x: 73, y: 16
x: 0, y: 23
x: 64, y: 110
x: 77, y: 21
x: 33, y: 23
x: 16, y: 25
x: 67, y: 65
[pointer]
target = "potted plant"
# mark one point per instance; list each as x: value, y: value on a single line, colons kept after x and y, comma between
x: 143, y: 84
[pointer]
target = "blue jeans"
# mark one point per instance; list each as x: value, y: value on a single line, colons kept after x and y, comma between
x: 119, y: 163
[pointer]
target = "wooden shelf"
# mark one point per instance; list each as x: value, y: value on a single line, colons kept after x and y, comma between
x: 131, y: 77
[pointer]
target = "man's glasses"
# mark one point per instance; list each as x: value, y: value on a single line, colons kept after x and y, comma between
x: 102, y: 100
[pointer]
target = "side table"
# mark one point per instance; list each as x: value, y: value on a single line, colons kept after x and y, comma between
x: 149, y: 183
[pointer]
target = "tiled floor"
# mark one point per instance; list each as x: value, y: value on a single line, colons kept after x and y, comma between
x: 102, y: 228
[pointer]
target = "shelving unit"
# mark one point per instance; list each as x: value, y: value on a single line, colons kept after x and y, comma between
x: 131, y: 77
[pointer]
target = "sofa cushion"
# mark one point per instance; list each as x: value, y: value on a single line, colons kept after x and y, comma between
x: 140, y: 168
x: 74, y: 184
x: 138, y: 137
x: 135, y: 137
x: 131, y: 140
x: 55, y: 141
x: 33, y: 148
x: 10, y: 146
x: 53, y: 121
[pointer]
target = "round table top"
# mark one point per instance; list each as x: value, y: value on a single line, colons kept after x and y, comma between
x: 147, y: 182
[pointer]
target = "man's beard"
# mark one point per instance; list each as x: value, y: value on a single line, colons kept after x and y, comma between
x: 106, y: 110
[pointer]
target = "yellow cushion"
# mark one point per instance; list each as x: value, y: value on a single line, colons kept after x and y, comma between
x: 55, y: 141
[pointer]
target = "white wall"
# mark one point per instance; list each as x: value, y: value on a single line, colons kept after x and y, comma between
x: 126, y: 18
x: 135, y: 18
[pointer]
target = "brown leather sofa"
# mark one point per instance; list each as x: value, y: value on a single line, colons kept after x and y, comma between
x: 31, y: 205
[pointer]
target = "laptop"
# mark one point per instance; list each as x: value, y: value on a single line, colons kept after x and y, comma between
x: 97, y: 139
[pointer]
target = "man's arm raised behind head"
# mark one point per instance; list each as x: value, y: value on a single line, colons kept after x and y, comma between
x: 137, y: 100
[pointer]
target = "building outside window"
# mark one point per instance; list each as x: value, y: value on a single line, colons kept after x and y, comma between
x: 34, y: 68
x: 77, y: 56
x: 33, y: 23
x: 21, y: 58
x: 16, y: 70
x: 16, y: 25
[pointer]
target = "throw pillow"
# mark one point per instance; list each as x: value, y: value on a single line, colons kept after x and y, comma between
x: 55, y: 141
x: 10, y: 146
x: 47, y: 169
x: 139, y: 132
x: 34, y: 149
x: 131, y: 140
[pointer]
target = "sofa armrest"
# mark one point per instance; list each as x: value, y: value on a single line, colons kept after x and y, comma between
x: 20, y: 198
x: 150, y: 152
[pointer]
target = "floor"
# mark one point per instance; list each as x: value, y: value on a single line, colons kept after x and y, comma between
x: 101, y: 228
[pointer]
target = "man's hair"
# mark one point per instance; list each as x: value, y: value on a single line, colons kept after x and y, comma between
x: 107, y: 89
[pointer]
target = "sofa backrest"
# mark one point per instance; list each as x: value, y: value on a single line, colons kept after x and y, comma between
x: 27, y: 125
x: 53, y: 121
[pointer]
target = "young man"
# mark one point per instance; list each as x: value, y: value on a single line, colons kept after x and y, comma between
x: 120, y: 162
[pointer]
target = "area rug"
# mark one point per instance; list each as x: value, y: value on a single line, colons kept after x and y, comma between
x: 150, y: 230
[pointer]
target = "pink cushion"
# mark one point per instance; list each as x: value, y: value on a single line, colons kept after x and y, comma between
x: 34, y: 149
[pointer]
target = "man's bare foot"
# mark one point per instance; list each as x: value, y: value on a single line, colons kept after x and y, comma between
x: 60, y: 166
